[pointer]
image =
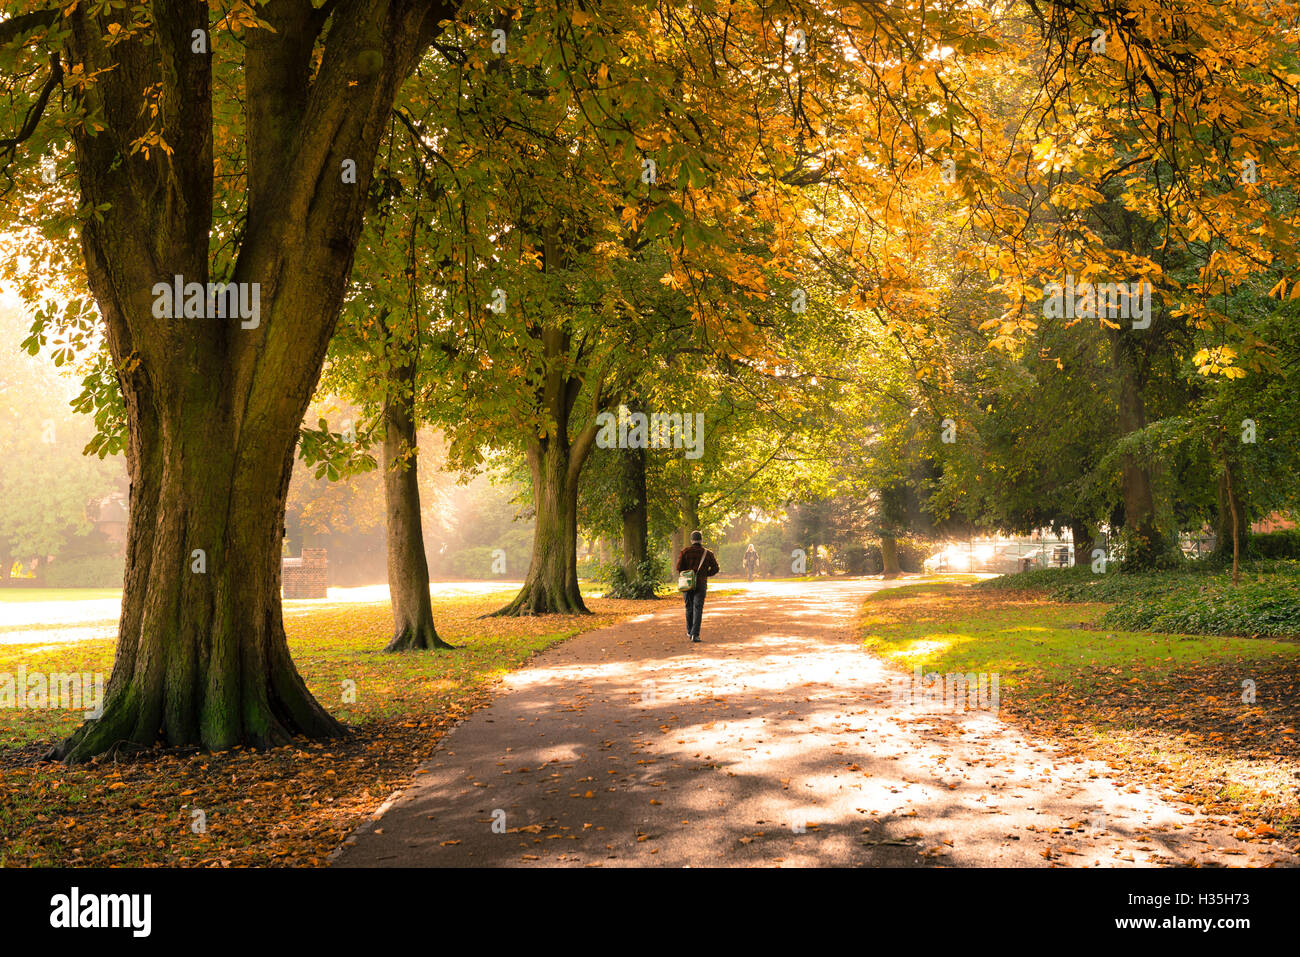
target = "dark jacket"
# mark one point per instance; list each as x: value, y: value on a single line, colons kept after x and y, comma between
x: 690, y: 559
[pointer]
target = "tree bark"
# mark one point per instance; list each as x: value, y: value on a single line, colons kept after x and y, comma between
x: 408, y: 566
x: 555, y: 461
x: 635, y: 516
x: 889, y: 556
x: 214, y: 406
x: 690, y: 513
x: 1082, y: 537
x: 552, y: 582
x: 202, y: 658
x: 1226, y: 541
x: 1146, y: 543
x: 1235, y: 510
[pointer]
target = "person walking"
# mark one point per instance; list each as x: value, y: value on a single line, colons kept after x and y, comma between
x: 697, y: 559
x: 751, y: 561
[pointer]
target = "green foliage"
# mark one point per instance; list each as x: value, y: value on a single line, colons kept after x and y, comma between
x: 472, y: 563
x: 46, y: 483
x: 1268, y: 606
x: 650, y: 576
x: 1282, y: 544
x: 95, y: 571
x: 1198, y: 599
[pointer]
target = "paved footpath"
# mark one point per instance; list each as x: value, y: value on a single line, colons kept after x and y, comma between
x: 774, y: 742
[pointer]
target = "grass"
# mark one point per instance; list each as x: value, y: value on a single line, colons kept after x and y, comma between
x: 289, y: 805
x: 1029, y: 638
x: 1172, y: 709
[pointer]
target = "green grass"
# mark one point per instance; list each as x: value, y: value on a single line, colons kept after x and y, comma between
x: 290, y: 805
x: 1038, y: 640
x: 20, y: 595
x: 1169, y: 710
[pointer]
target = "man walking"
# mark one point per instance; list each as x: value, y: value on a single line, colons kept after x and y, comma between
x: 695, y: 557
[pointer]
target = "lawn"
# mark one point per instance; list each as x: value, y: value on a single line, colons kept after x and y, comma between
x: 290, y: 805
x: 1211, y: 718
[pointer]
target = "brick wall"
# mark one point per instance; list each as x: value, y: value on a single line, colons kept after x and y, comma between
x: 306, y: 577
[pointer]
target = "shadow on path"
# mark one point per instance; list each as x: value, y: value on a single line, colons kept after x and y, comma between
x: 775, y: 741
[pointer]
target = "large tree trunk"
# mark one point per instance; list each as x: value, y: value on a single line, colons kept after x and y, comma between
x: 556, y: 462
x: 214, y: 406
x: 552, y: 582
x: 889, y: 556
x: 408, y: 567
x: 202, y: 658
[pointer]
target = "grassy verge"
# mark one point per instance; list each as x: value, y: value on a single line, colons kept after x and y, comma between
x: 290, y: 805
x: 1213, y: 719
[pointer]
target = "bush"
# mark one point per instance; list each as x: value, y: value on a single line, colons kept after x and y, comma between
x: 868, y: 559
x: 1268, y: 607
x: 471, y: 563
x: 99, y: 571
x: 1200, y: 599
x: 773, y: 560
x: 1283, y: 544
x: 649, y: 578
x: 730, y: 557
x: 857, y: 560
x: 591, y: 569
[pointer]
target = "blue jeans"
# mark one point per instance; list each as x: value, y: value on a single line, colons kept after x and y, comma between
x: 695, y: 609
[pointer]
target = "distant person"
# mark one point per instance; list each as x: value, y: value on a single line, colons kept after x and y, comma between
x: 698, y: 559
x: 751, y: 562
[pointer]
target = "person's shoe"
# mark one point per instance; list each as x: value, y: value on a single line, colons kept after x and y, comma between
x: 695, y: 640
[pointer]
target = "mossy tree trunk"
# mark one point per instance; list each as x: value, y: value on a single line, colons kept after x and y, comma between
x: 889, y: 556
x: 408, y: 565
x: 635, y: 516
x: 1081, y: 534
x: 555, y: 462
x: 214, y: 406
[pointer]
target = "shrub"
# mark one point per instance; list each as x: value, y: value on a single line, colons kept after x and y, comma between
x: 1284, y: 544
x: 1268, y: 607
x: 773, y: 560
x: 471, y: 563
x: 98, y: 571
x: 649, y: 578
x: 1199, y: 599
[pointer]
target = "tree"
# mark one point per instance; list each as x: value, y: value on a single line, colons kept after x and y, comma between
x: 162, y: 98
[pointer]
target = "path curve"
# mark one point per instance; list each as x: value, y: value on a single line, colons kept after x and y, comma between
x: 774, y: 742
